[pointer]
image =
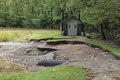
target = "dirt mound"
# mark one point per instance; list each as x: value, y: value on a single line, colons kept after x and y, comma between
x: 7, y: 66
x: 30, y: 50
x: 27, y: 54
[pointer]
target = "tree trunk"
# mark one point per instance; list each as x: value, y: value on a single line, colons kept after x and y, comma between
x: 102, y: 32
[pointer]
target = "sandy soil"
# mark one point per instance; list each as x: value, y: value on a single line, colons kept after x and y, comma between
x: 104, y: 65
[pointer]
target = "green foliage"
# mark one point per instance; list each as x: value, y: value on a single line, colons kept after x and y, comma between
x: 92, y: 11
x: 55, y: 73
x: 44, y: 14
x: 117, y: 38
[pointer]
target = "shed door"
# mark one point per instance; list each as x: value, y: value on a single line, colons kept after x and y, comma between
x: 72, y: 29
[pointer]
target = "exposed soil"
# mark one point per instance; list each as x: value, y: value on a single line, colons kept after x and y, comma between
x: 8, y: 66
x: 104, y: 65
x: 27, y: 54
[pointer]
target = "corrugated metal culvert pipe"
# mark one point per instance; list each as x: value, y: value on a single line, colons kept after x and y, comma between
x: 50, y: 62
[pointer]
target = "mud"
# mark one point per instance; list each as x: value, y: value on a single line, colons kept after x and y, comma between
x: 27, y: 54
x: 100, y: 62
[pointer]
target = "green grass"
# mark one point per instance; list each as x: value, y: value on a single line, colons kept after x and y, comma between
x: 57, y: 40
x: 21, y: 34
x: 55, y: 73
x: 8, y: 36
x: 41, y: 34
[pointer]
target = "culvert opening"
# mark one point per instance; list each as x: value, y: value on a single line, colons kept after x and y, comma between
x: 50, y: 62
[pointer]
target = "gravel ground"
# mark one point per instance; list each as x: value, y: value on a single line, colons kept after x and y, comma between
x: 26, y: 54
x: 103, y: 64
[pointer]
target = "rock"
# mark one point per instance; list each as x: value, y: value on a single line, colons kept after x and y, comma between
x: 97, y: 48
x: 95, y: 59
x: 88, y: 35
x: 49, y: 56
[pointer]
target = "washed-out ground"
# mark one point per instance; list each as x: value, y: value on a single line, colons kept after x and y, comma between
x: 104, y: 65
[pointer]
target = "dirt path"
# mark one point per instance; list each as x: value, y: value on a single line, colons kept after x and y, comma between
x: 103, y: 64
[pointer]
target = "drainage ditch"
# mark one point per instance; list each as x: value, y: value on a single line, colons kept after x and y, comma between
x: 79, y: 42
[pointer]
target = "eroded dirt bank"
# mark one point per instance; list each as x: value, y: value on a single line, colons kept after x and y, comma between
x: 103, y: 64
x: 26, y: 54
x: 106, y: 66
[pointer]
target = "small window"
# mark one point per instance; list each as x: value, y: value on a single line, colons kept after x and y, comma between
x: 69, y: 26
x: 74, y: 26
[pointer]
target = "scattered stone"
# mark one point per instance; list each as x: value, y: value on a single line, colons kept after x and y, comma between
x: 97, y: 48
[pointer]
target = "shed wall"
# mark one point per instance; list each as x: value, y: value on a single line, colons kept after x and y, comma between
x: 79, y: 29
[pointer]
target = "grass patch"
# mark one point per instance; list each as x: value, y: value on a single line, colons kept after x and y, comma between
x: 8, y: 36
x: 55, y: 73
x: 21, y: 34
x: 42, y: 34
x: 57, y: 40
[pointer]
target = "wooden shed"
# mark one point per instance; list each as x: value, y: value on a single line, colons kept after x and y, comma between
x: 72, y: 26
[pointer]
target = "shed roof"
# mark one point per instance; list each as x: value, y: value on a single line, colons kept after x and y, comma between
x: 73, y: 17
